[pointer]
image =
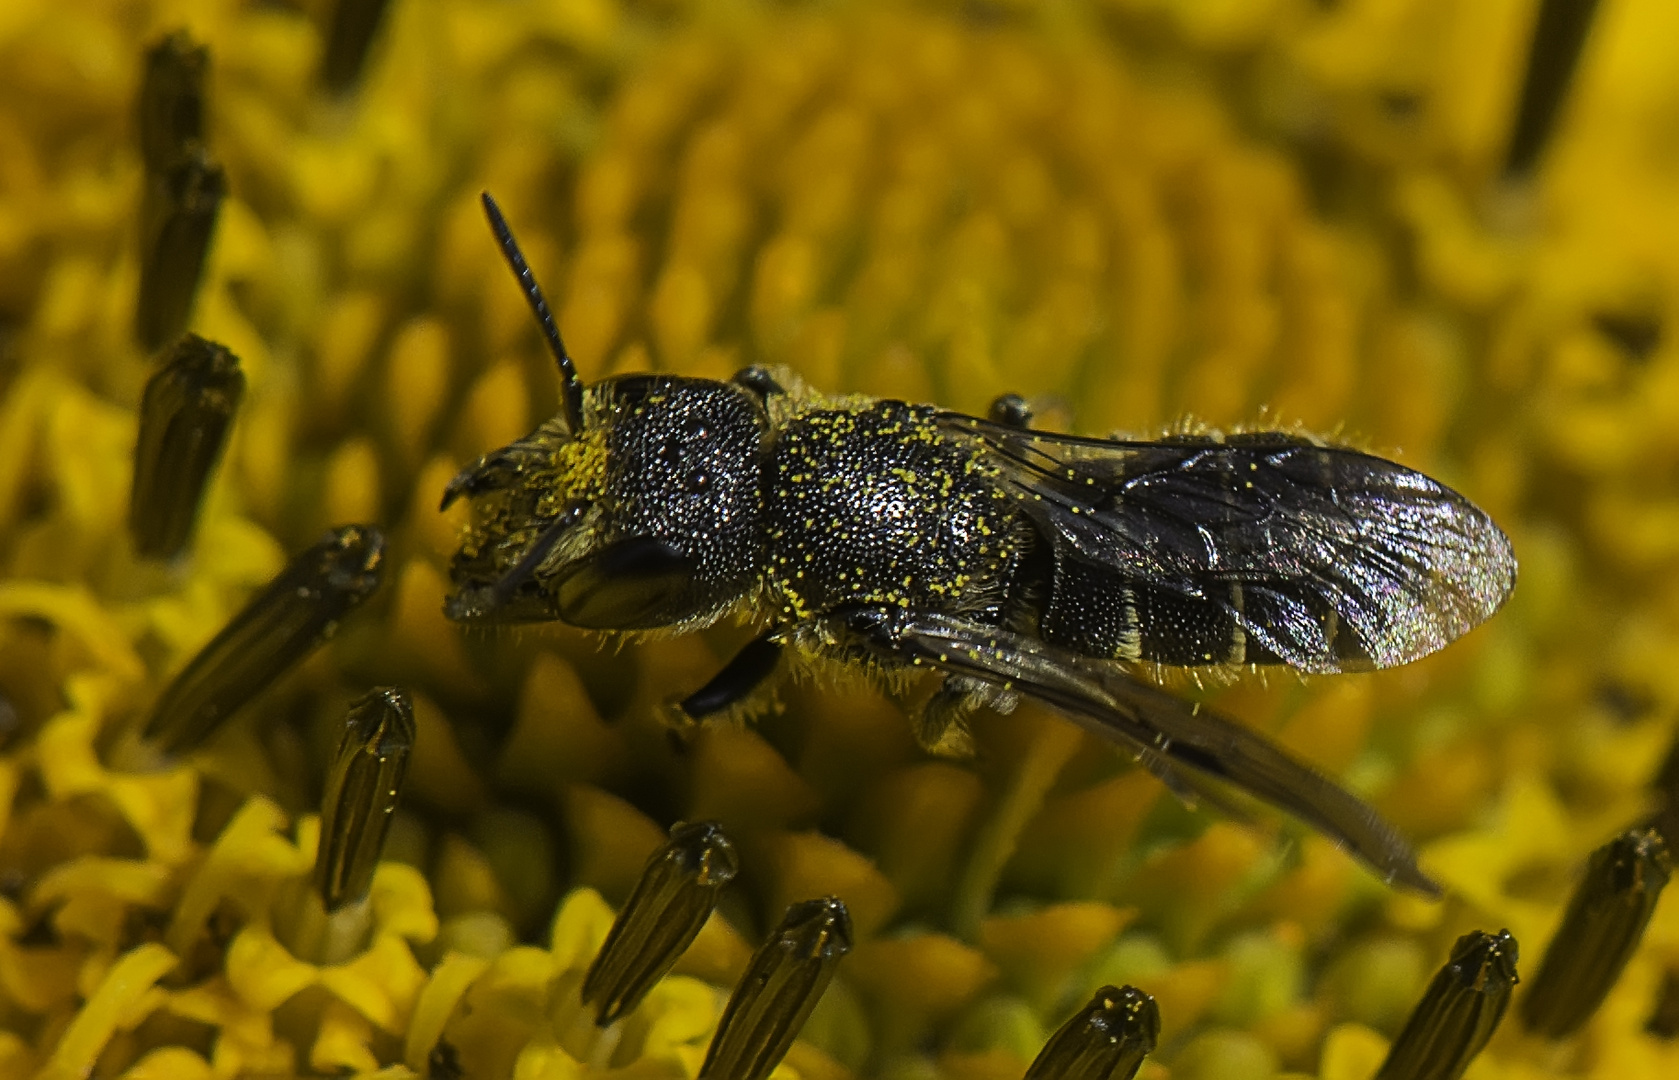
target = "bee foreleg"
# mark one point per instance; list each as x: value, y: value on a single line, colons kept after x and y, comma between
x: 750, y: 668
x: 488, y: 473
x: 497, y: 470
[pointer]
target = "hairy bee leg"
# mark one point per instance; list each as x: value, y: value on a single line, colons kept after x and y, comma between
x: 472, y: 601
x: 758, y: 380
x: 1011, y: 410
x: 740, y: 677
x: 539, y: 551
x: 941, y: 725
x: 488, y: 473
x: 501, y: 468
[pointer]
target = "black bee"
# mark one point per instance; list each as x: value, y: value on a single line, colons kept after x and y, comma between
x: 877, y: 534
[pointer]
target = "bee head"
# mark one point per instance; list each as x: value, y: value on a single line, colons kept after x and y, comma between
x: 649, y: 517
x: 636, y: 508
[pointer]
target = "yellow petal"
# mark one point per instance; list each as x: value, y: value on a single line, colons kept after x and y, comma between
x: 130, y: 980
x: 383, y: 982
x: 436, y: 1002
x: 401, y: 902
x: 343, y: 1041
x: 264, y: 972
x: 247, y: 858
x: 580, y: 926
x: 541, y: 1060
x: 169, y: 1063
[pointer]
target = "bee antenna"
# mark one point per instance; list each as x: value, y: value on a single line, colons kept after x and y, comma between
x: 573, y: 386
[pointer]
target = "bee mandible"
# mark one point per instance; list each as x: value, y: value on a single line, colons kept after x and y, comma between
x: 885, y: 536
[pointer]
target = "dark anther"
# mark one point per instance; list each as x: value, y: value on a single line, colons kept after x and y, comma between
x: 171, y: 111
x: 1559, y: 35
x: 1664, y: 785
x: 1637, y: 335
x: 281, y: 625
x: 10, y: 722
x: 444, y: 1062
x: 184, y: 420
x: 675, y: 896
x: 1625, y: 704
x: 183, y: 187
x: 39, y: 933
x: 1665, y: 782
x: 362, y: 789
x: 354, y: 23
x: 782, y: 984
x: 1105, y: 1040
x: 1401, y: 105
x: 1599, y: 933
x: 177, y: 219
x: 1664, y: 1021
x: 1458, y: 1012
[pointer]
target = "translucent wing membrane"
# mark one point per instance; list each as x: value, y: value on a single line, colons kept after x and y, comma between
x: 1187, y: 747
x: 1255, y: 548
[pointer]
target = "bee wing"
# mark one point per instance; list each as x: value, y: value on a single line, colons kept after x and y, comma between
x: 1184, y: 744
x: 1324, y: 558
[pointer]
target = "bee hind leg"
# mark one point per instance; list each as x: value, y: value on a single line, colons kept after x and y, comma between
x: 941, y: 723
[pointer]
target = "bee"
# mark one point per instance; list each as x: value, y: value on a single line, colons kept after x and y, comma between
x: 891, y: 537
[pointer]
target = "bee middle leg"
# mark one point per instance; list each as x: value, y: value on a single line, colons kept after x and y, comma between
x: 740, y: 678
x: 940, y: 723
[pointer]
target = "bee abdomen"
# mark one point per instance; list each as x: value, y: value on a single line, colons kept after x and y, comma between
x: 1100, y: 611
